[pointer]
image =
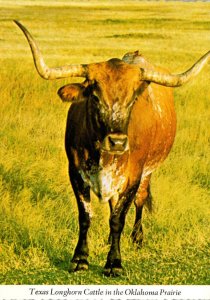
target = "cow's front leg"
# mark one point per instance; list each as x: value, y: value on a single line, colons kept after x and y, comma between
x: 82, y: 193
x: 113, y: 265
x: 112, y: 203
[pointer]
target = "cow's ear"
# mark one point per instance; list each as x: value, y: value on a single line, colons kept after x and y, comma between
x: 72, y: 92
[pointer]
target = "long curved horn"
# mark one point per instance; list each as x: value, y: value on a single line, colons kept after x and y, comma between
x: 178, y: 79
x: 43, y: 70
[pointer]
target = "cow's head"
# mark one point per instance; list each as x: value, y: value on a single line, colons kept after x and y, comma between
x: 111, y: 87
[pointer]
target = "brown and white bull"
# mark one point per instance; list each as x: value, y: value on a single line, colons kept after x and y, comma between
x: 120, y: 127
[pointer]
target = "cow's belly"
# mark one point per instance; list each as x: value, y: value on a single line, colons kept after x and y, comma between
x: 147, y: 158
x: 161, y: 144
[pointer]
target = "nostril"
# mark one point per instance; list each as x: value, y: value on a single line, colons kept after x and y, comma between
x: 124, y: 141
x: 112, y: 141
x: 117, y: 143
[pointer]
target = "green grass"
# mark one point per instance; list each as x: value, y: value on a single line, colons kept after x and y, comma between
x: 38, y: 212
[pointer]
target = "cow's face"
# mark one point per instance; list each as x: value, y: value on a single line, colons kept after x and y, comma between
x: 111, y: 89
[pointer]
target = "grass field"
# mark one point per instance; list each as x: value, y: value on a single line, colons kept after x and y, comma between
x: 38, y: 213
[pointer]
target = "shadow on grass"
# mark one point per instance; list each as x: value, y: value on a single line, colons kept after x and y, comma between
x: 67, y: 265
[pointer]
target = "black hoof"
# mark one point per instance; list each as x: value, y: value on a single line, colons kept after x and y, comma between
x: 82, y: 265
x: 113, y: 272
x: 79, y: 265
x: 114, y: 269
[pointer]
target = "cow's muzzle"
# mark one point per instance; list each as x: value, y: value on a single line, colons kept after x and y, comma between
x: 115, y: 143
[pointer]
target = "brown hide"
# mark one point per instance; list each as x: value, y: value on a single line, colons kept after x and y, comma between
x: 151, y: 123
x: 151, y: 131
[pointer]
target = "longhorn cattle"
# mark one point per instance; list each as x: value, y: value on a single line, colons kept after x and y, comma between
x: 120, y: 127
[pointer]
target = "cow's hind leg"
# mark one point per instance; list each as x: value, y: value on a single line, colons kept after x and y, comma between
x: 143, y: 196
x: 82, y: 193
x: 113, y: 265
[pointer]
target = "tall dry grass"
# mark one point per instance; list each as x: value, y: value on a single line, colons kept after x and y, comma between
x: 38, y: 214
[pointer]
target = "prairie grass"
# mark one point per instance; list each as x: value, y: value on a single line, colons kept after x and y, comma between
x: 38, y: 213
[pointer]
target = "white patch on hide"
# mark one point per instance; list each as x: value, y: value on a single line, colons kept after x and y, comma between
x: 111, y: 181
x: 116, y: 112
x: 88, y: 208
x: 106, y: 181
x: 87, y: 205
